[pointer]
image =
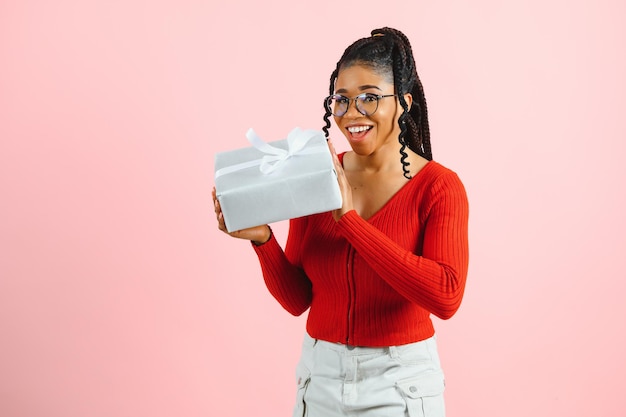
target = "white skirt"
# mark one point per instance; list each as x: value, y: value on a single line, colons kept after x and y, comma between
x: 336, y: 380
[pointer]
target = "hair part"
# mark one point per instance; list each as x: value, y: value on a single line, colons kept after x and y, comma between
x: 388, y: 52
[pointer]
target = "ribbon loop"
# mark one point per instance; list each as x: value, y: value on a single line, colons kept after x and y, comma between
x: 297, y: 140
x: 274, y: 158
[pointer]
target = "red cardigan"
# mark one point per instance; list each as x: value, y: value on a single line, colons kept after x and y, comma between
x: 375, y: 282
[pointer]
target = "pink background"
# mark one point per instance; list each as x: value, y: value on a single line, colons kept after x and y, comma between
x: 119, y: 296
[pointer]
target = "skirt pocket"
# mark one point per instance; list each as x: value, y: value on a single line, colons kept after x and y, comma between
x: 303, y: 377
x: 424, y: 394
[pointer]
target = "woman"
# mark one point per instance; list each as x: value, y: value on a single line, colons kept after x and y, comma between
x: 373, y: 271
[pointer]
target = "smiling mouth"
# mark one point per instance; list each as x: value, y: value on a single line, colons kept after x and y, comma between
x: 359, y: 129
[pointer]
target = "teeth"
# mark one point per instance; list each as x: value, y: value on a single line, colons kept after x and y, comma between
x: 358, y: 129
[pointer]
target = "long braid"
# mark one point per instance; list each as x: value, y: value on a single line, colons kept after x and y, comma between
x: 402, y: 66
x: 403, y: 120
x: 328, y: 113
x: 389, y: 52
x: 424, y: 128
x: 406, y: 79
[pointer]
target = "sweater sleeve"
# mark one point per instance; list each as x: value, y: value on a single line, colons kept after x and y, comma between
x: 436, y: 279
x: 285, y: 280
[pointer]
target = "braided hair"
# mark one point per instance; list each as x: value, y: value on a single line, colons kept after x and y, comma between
x: 388, y: 52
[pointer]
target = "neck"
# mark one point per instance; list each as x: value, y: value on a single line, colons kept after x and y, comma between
x: 385, y: 159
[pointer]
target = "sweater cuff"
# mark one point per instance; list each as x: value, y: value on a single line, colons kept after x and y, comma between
x: 350, y: 222
x: 271, y: 247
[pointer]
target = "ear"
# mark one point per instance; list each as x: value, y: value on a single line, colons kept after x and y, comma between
x: 408, y: 97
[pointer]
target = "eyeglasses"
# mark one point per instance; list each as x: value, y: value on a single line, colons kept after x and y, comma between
x: 366, y: 103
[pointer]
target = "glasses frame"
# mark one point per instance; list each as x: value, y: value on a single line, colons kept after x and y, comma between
x: 377, y: 96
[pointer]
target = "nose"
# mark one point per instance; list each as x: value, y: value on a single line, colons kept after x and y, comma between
x: 352, y: 111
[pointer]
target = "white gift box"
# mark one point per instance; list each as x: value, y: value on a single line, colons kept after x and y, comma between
x: 270, y: 182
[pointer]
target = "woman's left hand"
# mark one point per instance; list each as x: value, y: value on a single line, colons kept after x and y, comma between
x: 344, y: 186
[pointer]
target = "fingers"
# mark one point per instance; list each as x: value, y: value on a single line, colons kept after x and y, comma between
x: 338, y: 167
x: 257, y: 234
x: 333, y: 152
x: 344, y: 185
x: 216, y: 203
x: 221, y: 224
x: 220, y: 217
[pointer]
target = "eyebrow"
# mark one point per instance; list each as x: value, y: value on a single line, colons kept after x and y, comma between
x: 361, y: 88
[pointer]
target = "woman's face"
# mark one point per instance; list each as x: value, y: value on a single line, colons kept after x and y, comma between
x: 367, y: 134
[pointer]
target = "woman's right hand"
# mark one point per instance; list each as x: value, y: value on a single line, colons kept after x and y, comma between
x: 344, y: 185
x: 258, y: 234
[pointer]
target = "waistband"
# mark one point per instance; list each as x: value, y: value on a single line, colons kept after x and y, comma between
x: 360, y: 350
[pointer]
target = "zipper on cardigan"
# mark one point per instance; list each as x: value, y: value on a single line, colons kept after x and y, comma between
x: 350, y: 282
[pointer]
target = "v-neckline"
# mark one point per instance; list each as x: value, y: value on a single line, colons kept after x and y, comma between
x: 397, y: 193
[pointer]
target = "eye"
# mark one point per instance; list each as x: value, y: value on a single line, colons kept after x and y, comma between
x: 341, y: 99
x: 369, y: 98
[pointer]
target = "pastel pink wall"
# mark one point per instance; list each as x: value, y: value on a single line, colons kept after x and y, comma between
x: 119, y: 296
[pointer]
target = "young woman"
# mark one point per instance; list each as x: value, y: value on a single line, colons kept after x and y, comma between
x: 372, y: 272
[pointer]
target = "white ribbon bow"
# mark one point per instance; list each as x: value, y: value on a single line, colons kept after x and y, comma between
x: 275, y: 157
x: 296, y: 141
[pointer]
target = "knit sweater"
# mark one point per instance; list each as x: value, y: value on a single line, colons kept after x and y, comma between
x: 375, y: 282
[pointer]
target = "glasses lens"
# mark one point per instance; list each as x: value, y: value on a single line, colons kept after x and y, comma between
x: 338, y: 105
x: 367, y: 103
